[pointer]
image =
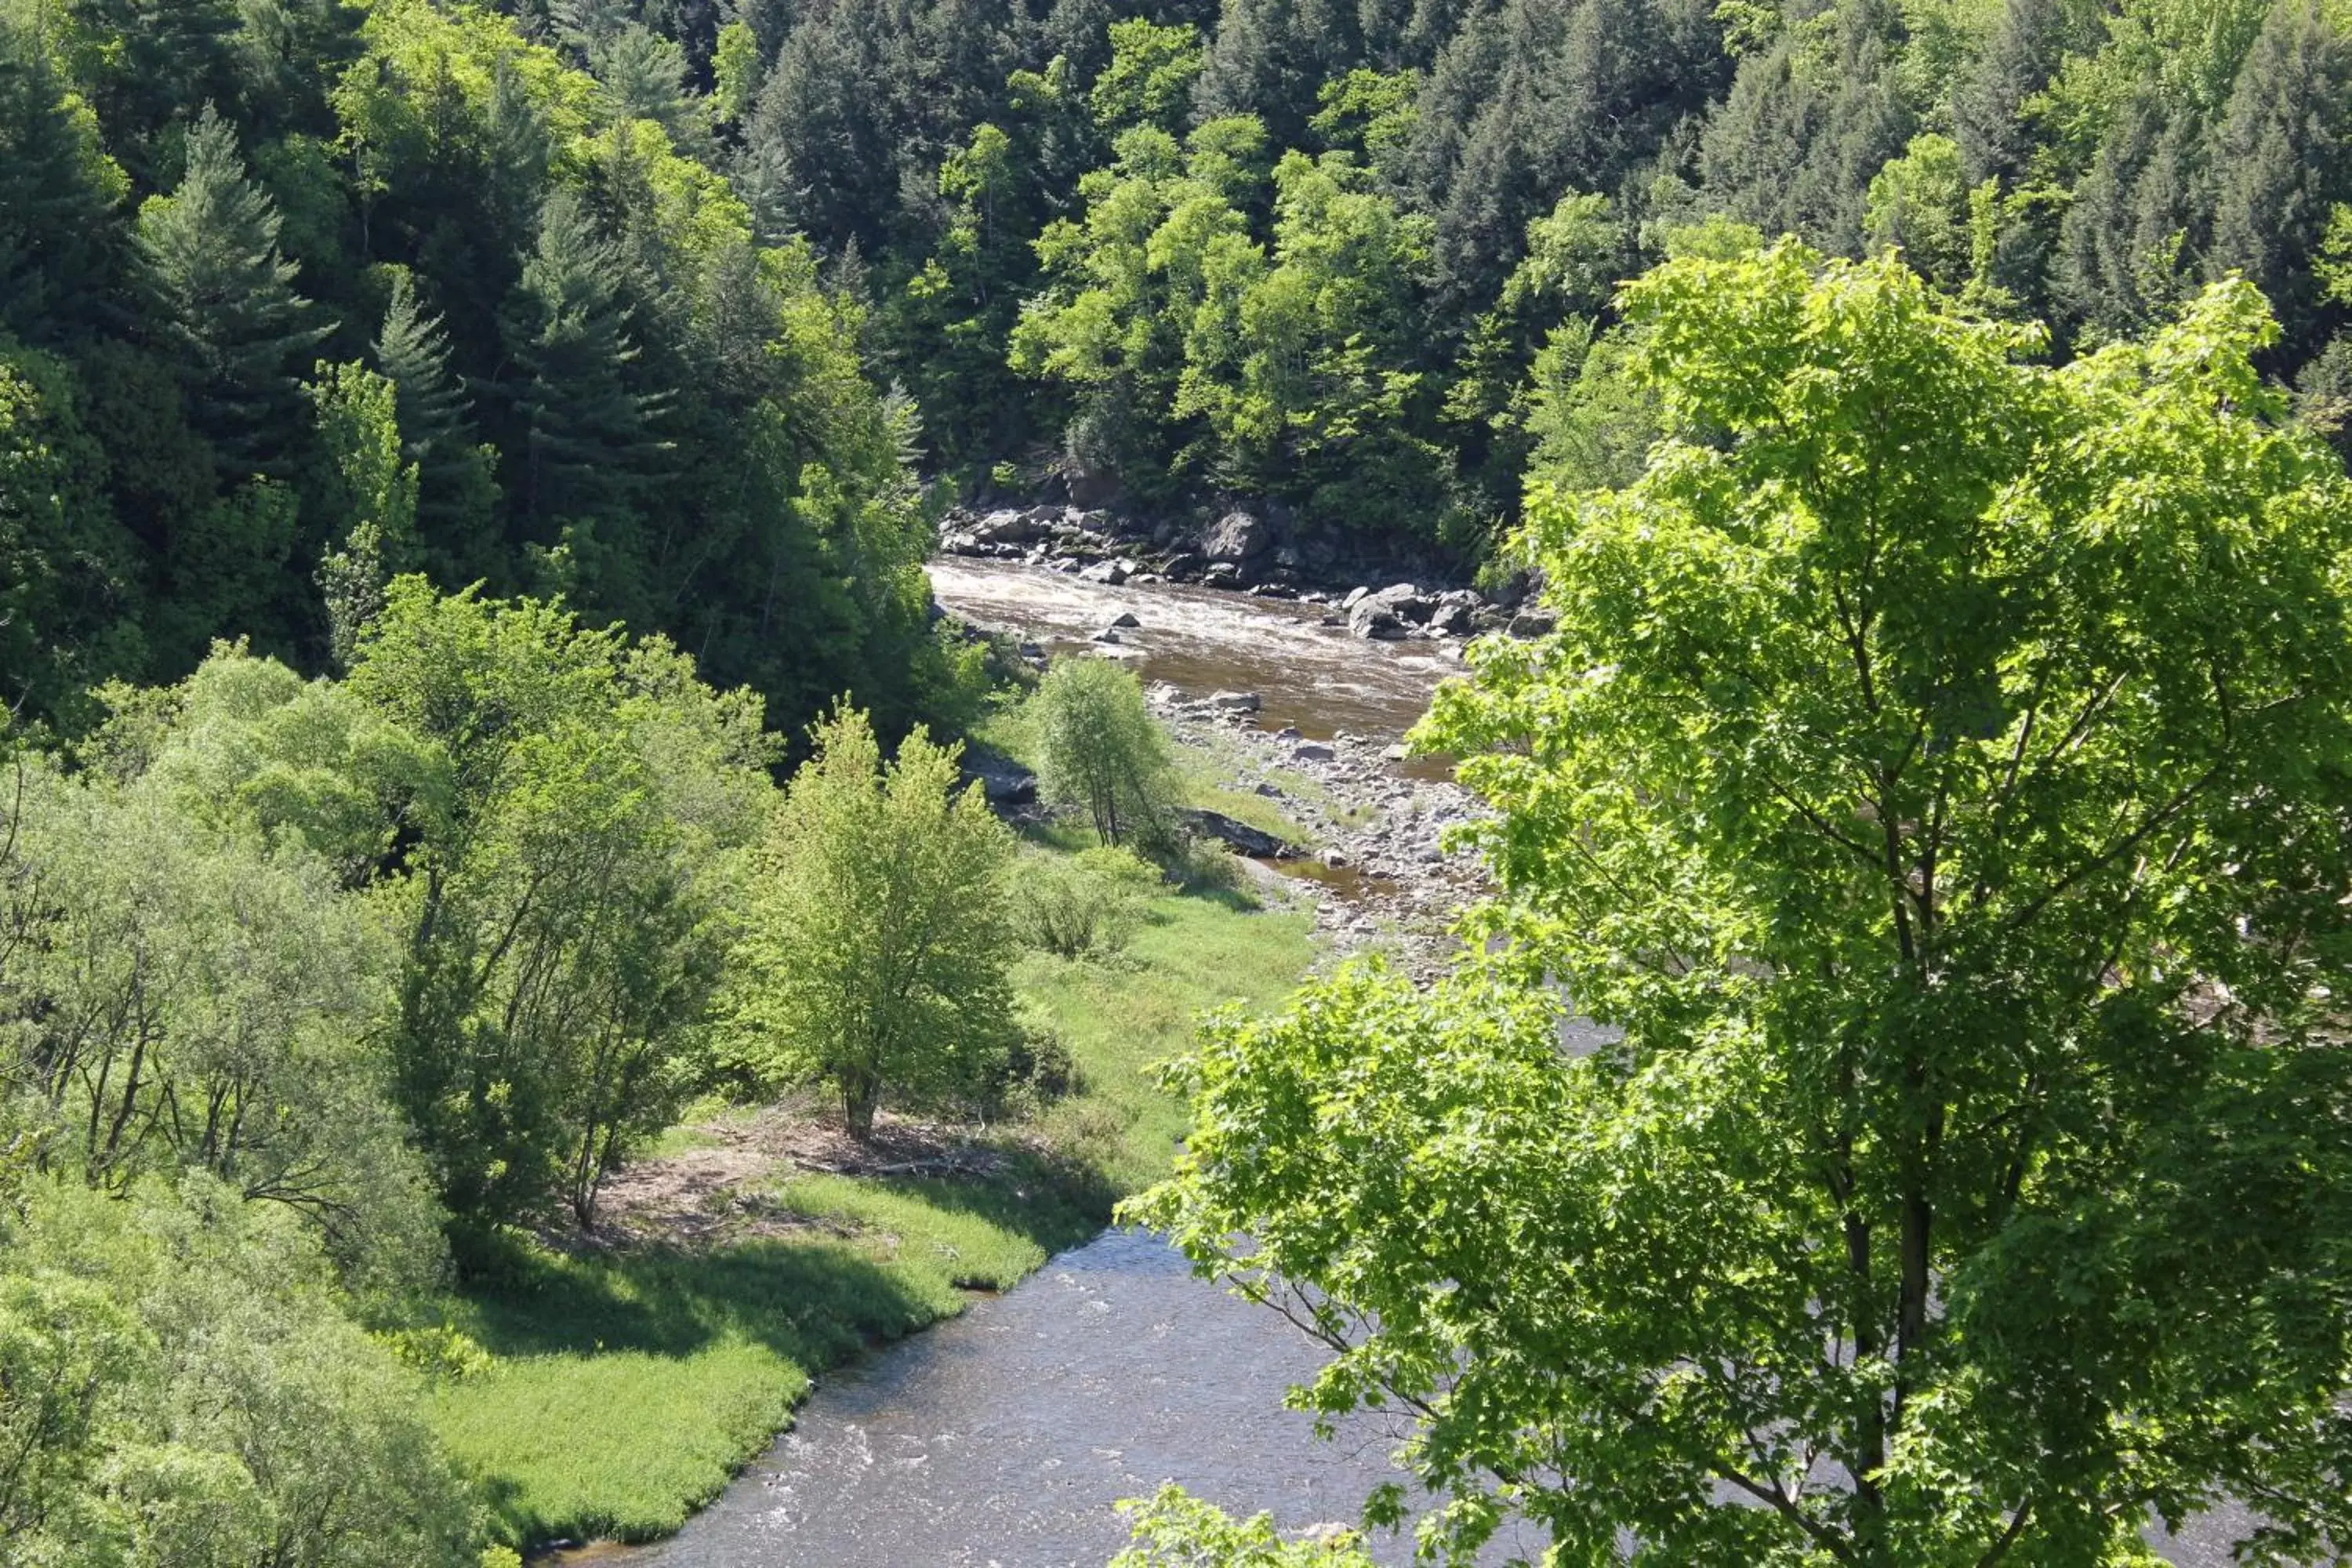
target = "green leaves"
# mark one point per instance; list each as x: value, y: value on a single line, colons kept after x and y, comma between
x: 875, y: 958
x: 1099, y: 750
x: 1931, y: 787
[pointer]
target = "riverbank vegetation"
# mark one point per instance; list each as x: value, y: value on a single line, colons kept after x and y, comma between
x: 335, y: 1007
x: 1936, y: 784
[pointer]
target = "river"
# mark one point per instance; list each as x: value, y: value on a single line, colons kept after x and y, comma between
x: 1001, y: 1440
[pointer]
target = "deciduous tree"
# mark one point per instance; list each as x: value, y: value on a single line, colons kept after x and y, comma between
x: 876, y: 957
x: 1935, y: 788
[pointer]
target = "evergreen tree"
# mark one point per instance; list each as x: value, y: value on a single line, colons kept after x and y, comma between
x: 1807, y: 125
x: 820, y: 147
x: 56, y: 226
x: 1269, y: 57
x: 2131, y: 234
x: 2283, y: 157
x: 589, y: 442
x: 1988, y: 98
x: 455, y: 492
x: 225, y: 300
x: 166, y: 58
x: 643, y: 76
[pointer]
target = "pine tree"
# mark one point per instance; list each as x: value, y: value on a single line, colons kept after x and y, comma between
x: 1988, y: 97
x: 169, y: 56
x: 2283, y: 157
x: 589, y: 444
x: 56, y: 226
x: 2131, y: 233
x: 1807, y: 125
x: 643, y: 76
x: 1268, y: 57
x: 455, y: 491
x: 821, y: 150
x: 225, y: 300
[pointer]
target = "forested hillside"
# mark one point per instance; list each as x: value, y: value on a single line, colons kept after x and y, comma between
x: 1358, y: 255
x: 295, y: 296
x: 637, y: 274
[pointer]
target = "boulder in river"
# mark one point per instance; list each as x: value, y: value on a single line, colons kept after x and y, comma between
x: 1451, y: 620
x: 1222, y: 575
x: 1009, y: 527
x: 1371, y: 618
x: 1112, y: 571
x: 1124, y: 621
x: 1239, y: 536
x: 1240, y: 836
x: 1313, y: 751
x: 1234, y: 701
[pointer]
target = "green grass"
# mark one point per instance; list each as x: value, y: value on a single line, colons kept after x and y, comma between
x: 622, y: 1392
x: 1122, y: 1019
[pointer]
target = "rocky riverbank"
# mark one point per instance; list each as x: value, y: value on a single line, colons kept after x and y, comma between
x: 1376, y: 866
x: 1245, y: 553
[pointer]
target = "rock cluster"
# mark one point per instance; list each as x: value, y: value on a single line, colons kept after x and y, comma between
x: 1242, y: 552
x: 1392, y: 884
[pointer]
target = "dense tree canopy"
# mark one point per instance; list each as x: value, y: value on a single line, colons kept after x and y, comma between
x: 612, y: 381
x: 1936, y: 786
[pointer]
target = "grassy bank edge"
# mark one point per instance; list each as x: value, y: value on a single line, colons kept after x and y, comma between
x: 620, y: 1392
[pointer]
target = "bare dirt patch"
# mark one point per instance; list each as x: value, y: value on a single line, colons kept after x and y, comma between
x: 697, y: 1197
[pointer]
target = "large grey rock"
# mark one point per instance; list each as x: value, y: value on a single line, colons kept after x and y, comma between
x: 1534, y: 624
x: 1125, y: 620
x: 1009, y: 527
x: 1113, y: 571
x: 1403, y: 601
x: 1239, y: 836
x: 1234, y: 701
x: 1312, y: 752
x: 1004, y: 780
x: 1239, y: 536
x: 1371, y: 619
x: 1222, y: 575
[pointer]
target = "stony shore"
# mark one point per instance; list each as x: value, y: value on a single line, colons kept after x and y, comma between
x: 1377, y: 868
x: 1375, y: 596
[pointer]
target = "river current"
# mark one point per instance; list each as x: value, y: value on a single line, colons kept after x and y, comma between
x: 1003, y: 1438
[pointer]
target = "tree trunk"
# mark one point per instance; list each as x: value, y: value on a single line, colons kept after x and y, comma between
x: 859, y: 1096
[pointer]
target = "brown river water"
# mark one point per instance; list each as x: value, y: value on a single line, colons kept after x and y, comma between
x: 1201, y: 640
x: 1003, y: 1438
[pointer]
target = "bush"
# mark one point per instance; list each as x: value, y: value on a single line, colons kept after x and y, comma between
x: 1100, y: 751
x: 1205, y: 865
x: 1080, y: 905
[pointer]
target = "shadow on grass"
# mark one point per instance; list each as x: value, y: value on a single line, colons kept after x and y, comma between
x: 1054, y: 1203
x: 813, y: 1301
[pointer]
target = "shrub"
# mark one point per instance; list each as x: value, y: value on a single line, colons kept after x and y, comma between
x: 1083, y: 904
